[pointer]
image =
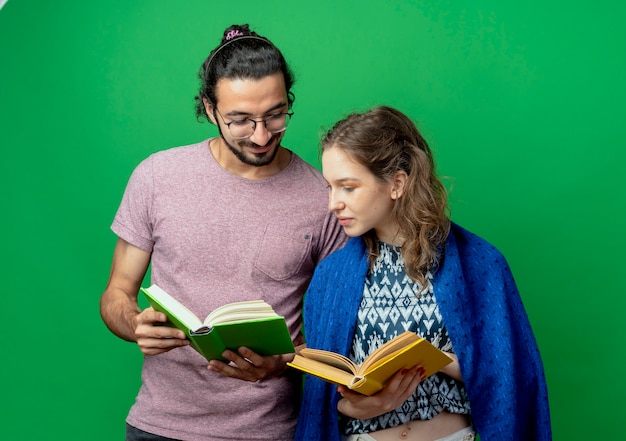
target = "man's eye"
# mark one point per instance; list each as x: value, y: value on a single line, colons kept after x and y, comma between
x: 239, y: 122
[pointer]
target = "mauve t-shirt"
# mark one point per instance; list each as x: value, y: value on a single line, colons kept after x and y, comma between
x: 217, y: 238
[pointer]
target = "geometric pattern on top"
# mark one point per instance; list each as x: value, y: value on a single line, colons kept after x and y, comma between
x: 392, y: 303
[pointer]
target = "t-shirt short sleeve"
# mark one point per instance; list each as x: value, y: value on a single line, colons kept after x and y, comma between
x: 132, y: 221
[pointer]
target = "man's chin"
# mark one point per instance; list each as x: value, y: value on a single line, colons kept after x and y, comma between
x: 260, y: 159
x: 264, y: 155
x: 244, y: 151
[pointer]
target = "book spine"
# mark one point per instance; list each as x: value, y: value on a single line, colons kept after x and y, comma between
x: 209, y: 344
x: 364, y: 385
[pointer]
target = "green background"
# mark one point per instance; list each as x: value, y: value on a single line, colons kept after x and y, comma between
x: 523, y: 103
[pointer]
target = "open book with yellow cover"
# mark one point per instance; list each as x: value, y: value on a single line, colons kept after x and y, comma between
x: 402, y: 352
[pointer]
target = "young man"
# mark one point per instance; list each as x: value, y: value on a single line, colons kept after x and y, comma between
x: 232, y: 218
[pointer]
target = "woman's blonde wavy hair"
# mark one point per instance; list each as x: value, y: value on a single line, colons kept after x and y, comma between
x: 385, y: 141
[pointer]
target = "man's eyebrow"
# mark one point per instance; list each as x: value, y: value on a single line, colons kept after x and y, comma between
x: 234, y: 113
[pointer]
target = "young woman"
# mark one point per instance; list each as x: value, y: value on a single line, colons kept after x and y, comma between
x: 408, y: 267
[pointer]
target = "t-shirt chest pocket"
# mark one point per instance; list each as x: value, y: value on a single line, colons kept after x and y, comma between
x: 281, y: 253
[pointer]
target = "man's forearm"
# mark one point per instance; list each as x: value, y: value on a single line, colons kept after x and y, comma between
x: 118, y: 313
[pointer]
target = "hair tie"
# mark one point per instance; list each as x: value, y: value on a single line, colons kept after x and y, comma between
x: 232, y: 34
x: 229, y: 39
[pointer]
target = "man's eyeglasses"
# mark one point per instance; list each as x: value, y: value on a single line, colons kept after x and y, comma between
x: 244, y: 128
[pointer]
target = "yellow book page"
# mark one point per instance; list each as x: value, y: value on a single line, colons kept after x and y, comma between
x: 392, y: 346
x: 333, y: 374
x: 331, y: 358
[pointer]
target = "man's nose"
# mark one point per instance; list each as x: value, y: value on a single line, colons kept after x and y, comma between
x: 261, y: 135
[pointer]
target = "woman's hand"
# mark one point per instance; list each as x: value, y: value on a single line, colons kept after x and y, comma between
x: 401, y: 386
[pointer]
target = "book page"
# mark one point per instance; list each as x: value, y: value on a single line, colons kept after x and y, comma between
x: 330, y: 358
x: 420, y: 352
x: 388, y: 348
x: 333, y: 374
x: 176, y: 311
x: 240, y: 311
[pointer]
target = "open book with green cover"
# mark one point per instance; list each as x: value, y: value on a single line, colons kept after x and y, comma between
x: 253, y: 324
x: 402, y: 352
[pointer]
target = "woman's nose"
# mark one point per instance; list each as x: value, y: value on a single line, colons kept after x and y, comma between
x: 334, y: 203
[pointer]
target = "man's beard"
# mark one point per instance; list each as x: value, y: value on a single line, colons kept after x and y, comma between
x: 256, y: 160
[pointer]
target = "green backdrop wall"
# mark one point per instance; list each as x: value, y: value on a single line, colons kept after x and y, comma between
x: 523, y: 103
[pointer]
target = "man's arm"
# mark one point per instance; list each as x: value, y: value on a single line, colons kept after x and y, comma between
x: 119, y: 308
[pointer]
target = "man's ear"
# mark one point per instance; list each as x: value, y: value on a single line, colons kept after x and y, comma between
x: 398, y: 182
x: 208, y: 108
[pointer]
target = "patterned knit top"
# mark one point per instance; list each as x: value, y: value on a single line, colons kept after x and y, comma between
x: 393, y: 303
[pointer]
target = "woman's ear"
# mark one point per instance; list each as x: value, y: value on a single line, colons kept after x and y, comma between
x: 398, y: 184
x: 208, y: 108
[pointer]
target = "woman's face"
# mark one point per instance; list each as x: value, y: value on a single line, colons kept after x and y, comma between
x: 360, y: 201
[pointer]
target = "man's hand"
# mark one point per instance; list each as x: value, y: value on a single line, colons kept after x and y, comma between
x: 152, y: 337
x: 250, y: 366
